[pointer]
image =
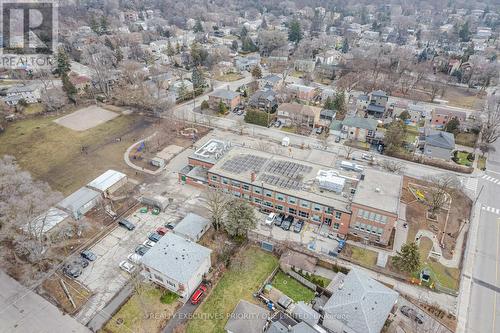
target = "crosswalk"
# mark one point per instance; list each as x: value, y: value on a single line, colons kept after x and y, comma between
x: 491, y: 179
x: 491, y: 209
x: 471, y: 184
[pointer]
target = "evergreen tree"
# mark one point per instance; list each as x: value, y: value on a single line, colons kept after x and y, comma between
x: 234, y: 46
x: 452, y: 126
x: 198, y: 27
x: 63, y: 64
x: 68, y: 87
x: 222, y: 108
x: 263, y: 25
x: 118, y: 55
x: 197, y: 78
x: 345, y: 46
x: 240, y: 218
x: 408, y: 259
x: 94, y: 25
x: 108, y: 43
x: 177, y: 48
x: 170, y: 50
x: 247, y: 45
x: 464, y: 32
x: 256, y: 72
x: 243, y: 32
x: 339, y: 102
x: 395, y: 136
x: 104, y: 25
x: 329, y: 104
x: 295, y: 31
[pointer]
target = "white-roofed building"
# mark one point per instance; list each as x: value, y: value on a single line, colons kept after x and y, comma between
x: 192, y: 227
x: 46, y: 221
x: 80, y: 202
x: 108, y: 182
x: 177, y: 264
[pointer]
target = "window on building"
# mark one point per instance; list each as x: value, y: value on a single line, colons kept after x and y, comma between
x: 356, y: 225
x: 328, y: 221
x: 305, y: 204
x: 316, y: 218
x: 368, y: 228
x: 362, y: 226
x: 372, y: 216
x: 235, y: 183
x: 225, y: 180
x: 336, y: 226
x: 360, y: 212
x: 338, y: 215
x: 384, y: 219
x: 257, y: 190
x: 303, y: 214
x: 318, y: 208
x: 279, y: 207
x: 329, y: 210
x: 246, y: 187
x: 292, y: 211
x: 237, y: 194
x: 292, y: 200
x: 246, y: 196
x: 214, y: 178
x: 366, y: 214
x: 159, y: 278
x: 257, y: 200
x: 280, y: 197
x: 268, y: 193
x: 380, y: 231
x: 268, y: 203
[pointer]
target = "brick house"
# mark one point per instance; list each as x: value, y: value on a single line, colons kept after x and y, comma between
x: 230, y: 98
x: 441, y: 116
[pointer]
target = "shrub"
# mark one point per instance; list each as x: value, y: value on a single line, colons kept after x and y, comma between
x: 256, y: 117
x: 168, y: 297
x: 204, y: 105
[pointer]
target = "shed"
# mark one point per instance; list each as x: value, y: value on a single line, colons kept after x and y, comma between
x: 108, y: 182
x: 80, y: 202
x: 155, y: 200
x: 46, y: 221
x: 192, y: 227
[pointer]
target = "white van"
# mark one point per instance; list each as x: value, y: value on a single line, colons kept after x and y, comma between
x: 270, y: 219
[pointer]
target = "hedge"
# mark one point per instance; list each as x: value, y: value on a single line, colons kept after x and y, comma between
x: 256, y: 117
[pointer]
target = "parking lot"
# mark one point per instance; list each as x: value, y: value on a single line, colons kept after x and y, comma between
x: 402, y: 323
x: 103, y: 276
x: 308, y: 236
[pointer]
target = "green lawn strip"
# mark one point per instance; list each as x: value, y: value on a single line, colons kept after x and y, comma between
x: 240, y: 281
x: 168, y: 297
x: 292, y: 288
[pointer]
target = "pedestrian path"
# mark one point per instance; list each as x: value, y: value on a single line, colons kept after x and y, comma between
x: 491, y: 209
x: 471, y: 184
x: 491, y: 179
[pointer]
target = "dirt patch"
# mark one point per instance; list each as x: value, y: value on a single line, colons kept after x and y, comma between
x: 86, y: 118
x: 416, y: 216
x: 52, y: 289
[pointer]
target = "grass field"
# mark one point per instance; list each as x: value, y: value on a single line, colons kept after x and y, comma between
x: 240, y: 281
x: 466, y: 139
x: 134, y: 316
x: 462, y: 158
x: 53, y: 153
x: 362, y: 256
x: 447, y: 277
x: 230, y: 77
x: 292, y: 288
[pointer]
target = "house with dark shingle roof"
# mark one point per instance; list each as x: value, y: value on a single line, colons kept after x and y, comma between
x: 230, y: 98
x: 359, y: 129
x: 359, y: 304
x: 438, y: 144
x: 247, y: 318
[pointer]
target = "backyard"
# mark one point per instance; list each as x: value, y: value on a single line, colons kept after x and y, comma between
x: 65, y: 158
x: 146, y: 311
x: 292, y: 288
x: 248, y: 270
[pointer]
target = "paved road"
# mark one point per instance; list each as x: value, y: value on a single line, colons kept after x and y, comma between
x: 481, y: 275
x: 22, y: 310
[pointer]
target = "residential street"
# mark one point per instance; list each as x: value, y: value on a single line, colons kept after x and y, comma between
x: 480, y: 302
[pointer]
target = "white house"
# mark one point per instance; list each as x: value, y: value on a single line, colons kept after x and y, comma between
x: 30, y: 94
x: 177, y: 264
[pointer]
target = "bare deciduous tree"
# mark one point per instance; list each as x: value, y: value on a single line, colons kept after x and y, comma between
x: 217, y: 202
x: 491, y: 125
x: 441, y: 189
x: 101, y: 60
x: 392, y: 166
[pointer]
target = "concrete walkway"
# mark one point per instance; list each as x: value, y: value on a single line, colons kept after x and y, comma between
x: 127, y: 160
x: 455, y: 260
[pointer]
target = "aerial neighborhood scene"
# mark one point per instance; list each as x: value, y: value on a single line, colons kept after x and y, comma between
x: 240, y: 166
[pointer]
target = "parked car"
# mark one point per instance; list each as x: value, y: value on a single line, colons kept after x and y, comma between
x: 154, y: 237
x: 412, y: 314
x: 148, y: 243
x: 126, y: 224
x: 287, y: 223
x: 337, y: 139
x: 127, y: 266
x: 198, y: 294
x: 170, y: 226
x: 277, y: 123
x: 298, y: 226
x: 279, y: 220
x: 134, y: 258
x: 73, y: 271
x: 270, y: 219
x: 367, y: 157
x: 89, y: 255
x: 141, y: 249
x: 79, y: 261
x: 240, y: 112
x: 161, y: 231
x: 319, y: 130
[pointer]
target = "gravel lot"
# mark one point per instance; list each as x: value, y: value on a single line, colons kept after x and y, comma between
x: 86, y: 118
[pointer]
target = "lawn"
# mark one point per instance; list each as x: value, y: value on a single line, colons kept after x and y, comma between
x: 289, y: 129
x: 34, y: 108
x: 461, y: 158
x: 362, y: 256
x: 292, y: 288
x: 240, y: 281
x: 145, y: 313
x: 53, y: 153
x: 425, y: 245
x: 230, y: 77
x: 447, y: 277
x: 466, y: 139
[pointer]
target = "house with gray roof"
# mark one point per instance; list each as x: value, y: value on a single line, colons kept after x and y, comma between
x: 359, y: 129
x: 247, y: 318
x: 270, y: 81
x: 264, y: 100
x: 230, y: 98
x: 358, y: 305
x: 177, y: 264
x: 80, y: 202
x: 192, y: 227
x: 438, y: 144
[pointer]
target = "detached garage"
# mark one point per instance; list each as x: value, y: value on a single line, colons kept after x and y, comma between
x: 108, y: 182
x: 80, y: 202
